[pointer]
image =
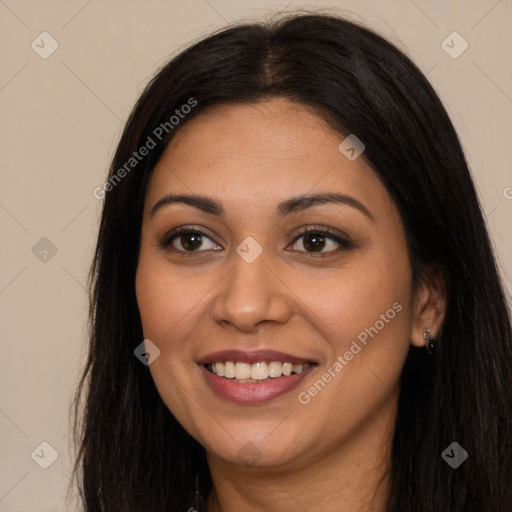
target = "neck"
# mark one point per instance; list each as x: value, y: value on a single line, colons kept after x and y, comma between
x: 352, y: 476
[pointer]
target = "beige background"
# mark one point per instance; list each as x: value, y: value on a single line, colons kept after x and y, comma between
x: 60, y: 121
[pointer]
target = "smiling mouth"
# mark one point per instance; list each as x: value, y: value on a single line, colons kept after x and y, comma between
x: 256, y: 372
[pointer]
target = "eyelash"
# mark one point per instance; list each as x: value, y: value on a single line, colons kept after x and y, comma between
x: 344, y: 243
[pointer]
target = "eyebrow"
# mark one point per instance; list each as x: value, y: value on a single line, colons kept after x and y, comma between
x: 294, y: 204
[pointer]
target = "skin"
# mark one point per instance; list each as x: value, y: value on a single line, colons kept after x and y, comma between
x: 331, y: 453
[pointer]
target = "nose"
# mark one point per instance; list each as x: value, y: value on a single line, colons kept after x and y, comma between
x: 252, y: 295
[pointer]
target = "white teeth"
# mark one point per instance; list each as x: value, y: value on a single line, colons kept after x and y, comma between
x: 259, y: 371
x: 229, y: 370
x: 256, y: 371
x: 297, y: 368
x: 220, y: 369
x: 242, y: 371
x: 274, y: 369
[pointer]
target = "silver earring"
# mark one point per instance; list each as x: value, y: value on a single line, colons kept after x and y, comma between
x: 198, y: 499
x: 429, y: 342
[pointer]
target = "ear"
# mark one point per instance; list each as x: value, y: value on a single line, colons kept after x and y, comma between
x: 430, y: 302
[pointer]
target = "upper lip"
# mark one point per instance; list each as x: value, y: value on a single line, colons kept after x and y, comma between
x: 252, y: 356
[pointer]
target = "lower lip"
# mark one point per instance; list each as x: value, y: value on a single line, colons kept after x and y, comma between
x: 253, y: 392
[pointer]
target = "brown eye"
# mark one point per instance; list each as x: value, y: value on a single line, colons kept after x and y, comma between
x: 321, y: 241
x: 188, y: 241
x: 313, y: 242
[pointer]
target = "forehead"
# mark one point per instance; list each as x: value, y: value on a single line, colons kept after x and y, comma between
x: 260, y: 153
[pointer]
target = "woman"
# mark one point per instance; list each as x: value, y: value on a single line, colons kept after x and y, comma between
x: 294, y: 301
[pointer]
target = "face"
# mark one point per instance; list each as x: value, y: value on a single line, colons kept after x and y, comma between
x: 245, y: 280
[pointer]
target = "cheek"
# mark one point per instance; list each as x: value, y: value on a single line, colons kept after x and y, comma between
x: 167, y: 300
x: 366, y: 308
x: 169, y: 305
x: 372, y: 290
x: 156, y: 305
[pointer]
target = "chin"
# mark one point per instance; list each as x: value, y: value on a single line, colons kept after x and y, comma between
x: 258, y: 451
